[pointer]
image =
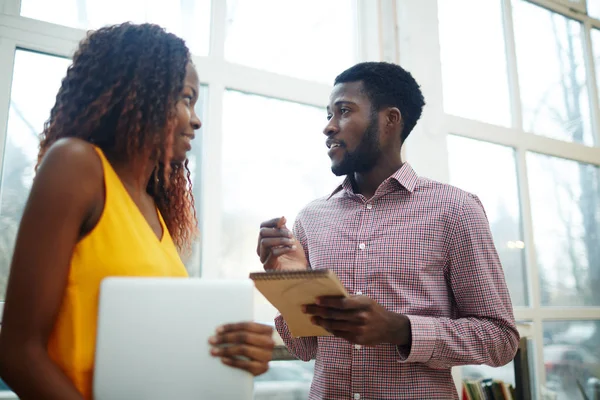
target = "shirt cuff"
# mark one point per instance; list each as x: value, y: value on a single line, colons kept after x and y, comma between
x: 424, y: 337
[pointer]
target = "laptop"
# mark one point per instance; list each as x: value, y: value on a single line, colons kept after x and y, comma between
x: 152, y: 339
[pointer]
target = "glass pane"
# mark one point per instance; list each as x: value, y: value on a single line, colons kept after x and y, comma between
x: 189, y: 19
x: 552, y: 74
x: 42, y: 73
x: 474, y: 71
x: 565, y: 206
x: 593, y: 8
x: 271, y: 179
x: 284, y: 380
x: 495, y: 183
x: 571, y: 357
x: 311, y: 39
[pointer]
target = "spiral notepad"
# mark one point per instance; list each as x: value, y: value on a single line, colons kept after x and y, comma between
x: 288, y: 291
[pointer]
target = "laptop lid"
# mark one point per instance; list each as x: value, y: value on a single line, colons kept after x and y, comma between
x: 152, y: 340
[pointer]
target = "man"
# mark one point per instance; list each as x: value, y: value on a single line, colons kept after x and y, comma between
x: 428, y: 290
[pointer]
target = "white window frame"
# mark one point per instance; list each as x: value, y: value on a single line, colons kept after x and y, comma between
x: 426, y: 149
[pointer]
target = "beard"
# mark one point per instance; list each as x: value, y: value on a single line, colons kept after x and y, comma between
x: 366, y: 154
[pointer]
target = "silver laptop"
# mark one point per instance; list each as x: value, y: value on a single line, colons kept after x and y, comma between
x: 153, y: 335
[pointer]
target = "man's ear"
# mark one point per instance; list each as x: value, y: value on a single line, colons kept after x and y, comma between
x: 394, y: 117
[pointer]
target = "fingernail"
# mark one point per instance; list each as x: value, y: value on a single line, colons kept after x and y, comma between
x: 215, y: 351
x: 226, y: 360
x: 304, y: 309
x: 294, y: 247
x: 220, y: 329
x: 212, y: 340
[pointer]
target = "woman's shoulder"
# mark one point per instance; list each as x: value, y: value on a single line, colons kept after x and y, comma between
x: 72, y: 161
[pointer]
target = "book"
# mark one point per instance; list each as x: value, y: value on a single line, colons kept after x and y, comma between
x: 288, y: 291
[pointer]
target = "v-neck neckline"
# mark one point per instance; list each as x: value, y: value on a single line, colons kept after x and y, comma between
x: 139, y: 212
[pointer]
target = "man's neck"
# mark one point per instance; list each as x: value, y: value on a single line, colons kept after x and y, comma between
x: 367, y: 183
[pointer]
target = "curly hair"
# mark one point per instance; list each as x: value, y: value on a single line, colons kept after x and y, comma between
x: 120, y: 94
x: 388, y: 85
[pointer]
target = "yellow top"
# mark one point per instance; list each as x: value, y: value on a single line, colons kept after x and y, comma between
x: 121, y: 244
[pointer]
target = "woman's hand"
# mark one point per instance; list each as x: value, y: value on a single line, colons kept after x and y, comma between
x: 245, y: 345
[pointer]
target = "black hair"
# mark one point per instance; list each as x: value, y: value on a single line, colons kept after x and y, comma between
x: 388, y: 85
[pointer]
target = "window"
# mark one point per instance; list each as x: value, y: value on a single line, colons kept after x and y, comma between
x: 286, y: 168
x: 312, y: 39
x: 189, y: 19
x: 570, y: 357
x: 552, y: 74
x: 565, y: 206
x: 474, y: 70
x: 545, y: 164
x: 26, y: 119
x: 495, y: 183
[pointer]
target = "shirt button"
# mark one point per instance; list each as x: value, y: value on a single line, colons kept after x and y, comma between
x: 357, y: 346
x: 369, y: 206
x: 356, y: 396
x: 362, y: 246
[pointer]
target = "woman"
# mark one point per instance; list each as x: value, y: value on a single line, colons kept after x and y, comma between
x: 112, y: 196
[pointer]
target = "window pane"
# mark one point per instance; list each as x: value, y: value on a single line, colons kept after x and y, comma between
x: 474, y: 71
x: 552, y: 74
x: 565, y: 206
x: 495, y: 183
x: 189, y: 19
x: 593, y: 8
x: 268, y: 172
x: 571, y: 355
x: 311, y: 39
x: 42, y: 74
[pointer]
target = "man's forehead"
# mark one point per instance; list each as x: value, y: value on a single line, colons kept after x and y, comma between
x: 347, y: 92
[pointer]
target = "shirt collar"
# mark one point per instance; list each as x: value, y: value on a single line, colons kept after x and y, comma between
x: 405, y: 176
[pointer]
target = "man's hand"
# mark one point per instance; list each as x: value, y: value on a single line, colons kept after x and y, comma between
x: 250, y: 340
x: 278, y: 249
x: 360, y: 320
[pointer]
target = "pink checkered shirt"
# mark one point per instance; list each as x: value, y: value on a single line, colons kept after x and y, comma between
x: 419, y: 248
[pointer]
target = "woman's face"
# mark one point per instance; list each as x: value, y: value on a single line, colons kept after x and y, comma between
x: 186, y: 120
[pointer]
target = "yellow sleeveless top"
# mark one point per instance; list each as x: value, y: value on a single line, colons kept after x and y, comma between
x: 121, y: 244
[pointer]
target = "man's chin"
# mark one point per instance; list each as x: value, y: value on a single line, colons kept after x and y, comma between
x: 339, y: 170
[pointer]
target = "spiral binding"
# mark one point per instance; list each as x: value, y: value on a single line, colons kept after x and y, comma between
x: 280, y: 275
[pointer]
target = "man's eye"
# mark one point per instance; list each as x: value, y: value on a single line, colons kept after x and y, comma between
x: 329, y: 116
x: 345, y: 110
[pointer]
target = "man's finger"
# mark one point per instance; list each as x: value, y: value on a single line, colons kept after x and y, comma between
x: 276, y: 242
x: 331, y: 313
x: 332, y: 325
x: 274, y: 232
x: 274, y: 223
x: 344, y: 303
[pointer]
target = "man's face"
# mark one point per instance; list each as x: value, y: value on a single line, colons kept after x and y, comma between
x: 352, y: 131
